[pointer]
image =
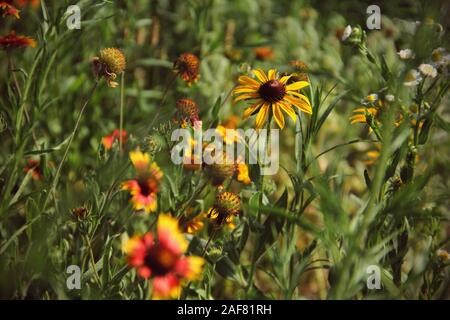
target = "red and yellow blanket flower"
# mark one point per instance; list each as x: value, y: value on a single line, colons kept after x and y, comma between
x: 271, y: 95
x: 14, y: 41
x: 9, y: 10
x: 145, y: 186
x: 226, y: 206
x: 34, y: 167
x: 187, y: 67
x: 109, y: 140
x: 162, y: 257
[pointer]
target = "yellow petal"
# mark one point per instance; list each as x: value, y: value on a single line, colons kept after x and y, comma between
x: 260, y: 75
x: 244, y: 89
x: 302, y: 105
x: 284, y: 79
x: 279, y: 118
x: 271, y: 74
x: 249, y: 111
x: 301, y: 96
x: 140, y: 160
x: 248, y: 81
x: 297, y: 85
x: 289, y: 111
x: 246, y: 96
x: 262, y: 116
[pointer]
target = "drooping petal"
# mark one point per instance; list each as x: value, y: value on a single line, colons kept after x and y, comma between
x: 301, y: 96
x: 289, y: 111
x: 279, y: 118
x: 260, y: 75
x: 250, y: 110
x: 302, y: 105
x: 262, y: 116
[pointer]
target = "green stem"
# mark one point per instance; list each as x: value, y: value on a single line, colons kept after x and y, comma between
x: 254, y: 257
x: 122, y: 102
x: 66, y: 152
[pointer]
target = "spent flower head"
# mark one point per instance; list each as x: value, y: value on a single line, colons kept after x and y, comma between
x: 109, y: 65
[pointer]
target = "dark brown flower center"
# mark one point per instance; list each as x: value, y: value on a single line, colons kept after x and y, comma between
x: 160, y: 260
x: 147, y: 186
x: 272, y: 91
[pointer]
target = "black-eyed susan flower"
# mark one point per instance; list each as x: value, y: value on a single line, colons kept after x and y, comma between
x: 9, y: 10
x: 226, y: 206
x: 272, y: 95
x: 187, y: 66
x: 109, y: 140
x: 162, y: 258
x: 145, y: 186
x: 109, y: 64
x: 188, y: 112
x: 14, y: 41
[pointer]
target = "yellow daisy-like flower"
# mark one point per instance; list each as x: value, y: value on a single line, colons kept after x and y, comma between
x: 272, y: 94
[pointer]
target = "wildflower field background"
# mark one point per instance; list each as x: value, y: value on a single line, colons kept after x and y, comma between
x: 87, y: 180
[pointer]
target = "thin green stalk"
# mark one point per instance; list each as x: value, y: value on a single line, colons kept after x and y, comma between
x: 66, y: 152
x: 254, y: 255
x: 122, y: 102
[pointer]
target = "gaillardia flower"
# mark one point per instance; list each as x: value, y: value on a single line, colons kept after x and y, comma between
x: 145, y: 186
x: 194, y: 224
x: 187, y: 66
x: 273, y: 96
x: 163, y: 258
x: 188, y: 111
x: 34, y: 167
x: 219, y: 172
x: 109, y: 140
x: 110, y: 64
x: 226, y: 206
x: 9, y: 10
x: 13, y: 41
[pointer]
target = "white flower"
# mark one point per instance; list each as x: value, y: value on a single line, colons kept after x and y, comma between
x: 412, y: 78
x: 406, y: 54
x: 347, y: 33
x: 389, y: 97
x: 428, y: 70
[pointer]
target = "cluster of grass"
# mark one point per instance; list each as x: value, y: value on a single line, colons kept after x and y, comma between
x: 346, y: 197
